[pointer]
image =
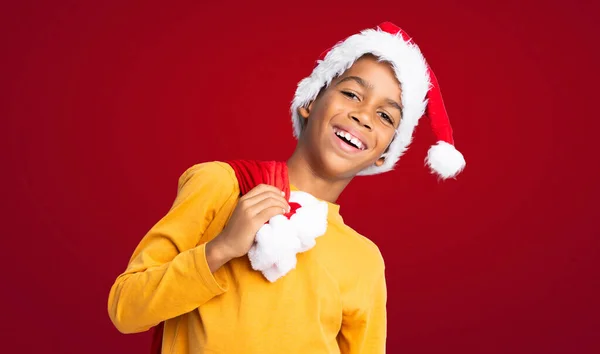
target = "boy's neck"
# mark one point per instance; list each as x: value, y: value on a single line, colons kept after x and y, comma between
x: 308, y: 180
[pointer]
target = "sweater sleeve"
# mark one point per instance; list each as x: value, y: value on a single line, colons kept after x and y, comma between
x: 364, y: 330
x: 168, y: 274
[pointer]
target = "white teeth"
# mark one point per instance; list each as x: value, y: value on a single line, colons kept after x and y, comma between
x: 350, y: 138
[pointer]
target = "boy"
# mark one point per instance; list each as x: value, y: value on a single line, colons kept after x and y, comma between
x: 353, y: 116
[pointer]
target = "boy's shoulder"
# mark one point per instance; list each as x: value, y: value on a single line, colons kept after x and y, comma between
x: 362, y: 248
x: 213, y: 171
x: 213, y: 175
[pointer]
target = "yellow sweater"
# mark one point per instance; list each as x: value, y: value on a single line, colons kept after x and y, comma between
x: 333, y: 302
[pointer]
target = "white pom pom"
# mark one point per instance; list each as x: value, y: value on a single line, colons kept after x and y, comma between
x: 444, y: 160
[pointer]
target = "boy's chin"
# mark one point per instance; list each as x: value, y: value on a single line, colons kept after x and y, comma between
x: 342, y: 168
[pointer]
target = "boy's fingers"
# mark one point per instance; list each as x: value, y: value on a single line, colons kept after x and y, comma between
x: 260, y: 189
x: 250, y: 202
x: 268, y: 213
x: 267, y: 203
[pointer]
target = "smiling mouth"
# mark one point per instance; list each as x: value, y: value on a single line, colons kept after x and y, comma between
x: 349, y: 139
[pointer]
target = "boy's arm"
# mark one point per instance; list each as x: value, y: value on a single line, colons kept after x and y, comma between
x: 365, y: 331
x: 168, y: 275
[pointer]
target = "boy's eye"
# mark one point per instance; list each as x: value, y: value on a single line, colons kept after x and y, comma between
x: 386, y: 117
x: 349, y: 94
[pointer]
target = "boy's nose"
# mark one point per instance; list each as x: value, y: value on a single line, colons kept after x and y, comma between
x: 361, y: 118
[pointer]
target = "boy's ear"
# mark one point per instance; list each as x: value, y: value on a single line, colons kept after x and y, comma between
x: 380, y: 161
x: 305, y: 111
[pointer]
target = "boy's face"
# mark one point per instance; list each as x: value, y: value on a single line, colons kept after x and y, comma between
x: 352, y: 122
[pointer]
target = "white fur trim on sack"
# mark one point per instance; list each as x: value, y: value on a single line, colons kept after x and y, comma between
x: 278, y: 241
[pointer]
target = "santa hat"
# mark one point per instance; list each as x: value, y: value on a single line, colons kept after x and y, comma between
x: 420, y: 94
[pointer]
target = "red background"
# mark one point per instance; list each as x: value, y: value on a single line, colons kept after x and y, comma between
x: 104, y: 105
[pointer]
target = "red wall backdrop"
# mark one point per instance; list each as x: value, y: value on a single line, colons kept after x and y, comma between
x: 105, y: 104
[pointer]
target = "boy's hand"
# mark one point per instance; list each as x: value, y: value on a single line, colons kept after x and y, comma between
x: 253, y: 210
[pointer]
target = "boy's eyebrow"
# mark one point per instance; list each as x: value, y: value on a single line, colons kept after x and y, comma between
x: 358, y: 80
x: 368, y: 85
x: 394, y: 104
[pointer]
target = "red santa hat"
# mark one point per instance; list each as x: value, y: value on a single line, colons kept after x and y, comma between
x: 421, y: 94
